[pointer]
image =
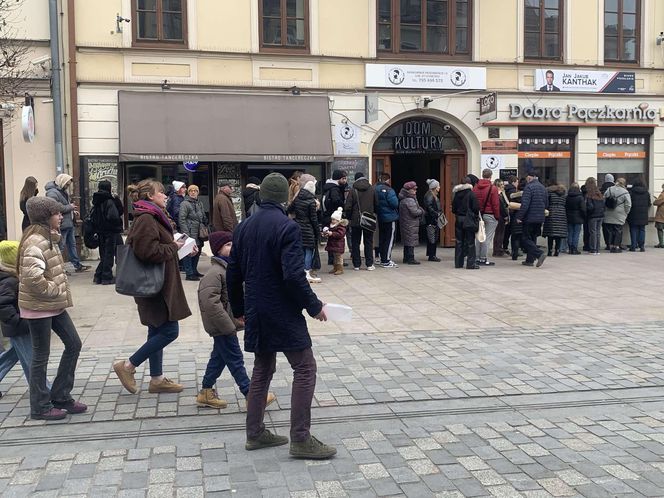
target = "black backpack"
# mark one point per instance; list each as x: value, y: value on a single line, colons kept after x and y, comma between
x: 91, y: 228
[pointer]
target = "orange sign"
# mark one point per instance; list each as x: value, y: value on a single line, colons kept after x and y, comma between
x: 622, y: 154
x: 545, y: 154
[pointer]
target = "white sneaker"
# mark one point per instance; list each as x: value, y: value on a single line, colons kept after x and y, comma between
x: 357, y: 269
x: 371, y: 268
x: 312, y: 280
x: 389, y: 264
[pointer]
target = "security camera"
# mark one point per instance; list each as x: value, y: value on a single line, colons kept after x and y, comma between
x: 659, y: 38
x: 41, y: 61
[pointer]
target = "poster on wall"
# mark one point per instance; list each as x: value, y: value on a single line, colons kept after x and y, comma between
x: 431, y: 77
x: 563, y: 80
x: 493, y: 162
x: 95, y: 170
x: 347, y: 139
x: 351, y: 165
x: 230, y: 173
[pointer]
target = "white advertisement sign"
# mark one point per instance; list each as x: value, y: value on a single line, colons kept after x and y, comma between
x: 492, y: 161
x: 347, y: 139
x: 564, y: 80
x: 425, y: 77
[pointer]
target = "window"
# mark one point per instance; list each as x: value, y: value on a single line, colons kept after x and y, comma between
x: 552, y: 156
x: 543, y: 29
x: 621, y: 30
x: 160, y: 22
x: 440, y: 27
x: 284, y: 24
x: 623, y: 157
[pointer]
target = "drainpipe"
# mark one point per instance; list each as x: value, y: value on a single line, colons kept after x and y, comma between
x: 55, y: 85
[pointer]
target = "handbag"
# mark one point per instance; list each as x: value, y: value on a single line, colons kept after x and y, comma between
x: 136, y: 278
x: 368, y: 221
x: 441, y: 222
x: 480, y: 235
x: 203, y: 232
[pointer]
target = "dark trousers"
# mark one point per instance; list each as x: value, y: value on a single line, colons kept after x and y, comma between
x: 550, y: 241
x: 606, y: 232
x: 357, y: 234
x: 637, y: 236
x: 573, y: 231
x: 499, y: 238
x: 586, y: 236
x: 107, y: 244
x: 386, y: 240
x: 529, y: 241
x: 153, y: 349
x: 40, y: 333
x: 303, y: 364
x: 615, y: 234
x: 506, y: 236
x: 515, y: 245
x: 191, y: 262
x: 464, y: 246
x: 594, y: 229
x: 226, y: 352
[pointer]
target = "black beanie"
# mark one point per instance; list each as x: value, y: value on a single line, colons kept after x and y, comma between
x: 359, y: 175
x: 104, y: 186
x: 338, y: 174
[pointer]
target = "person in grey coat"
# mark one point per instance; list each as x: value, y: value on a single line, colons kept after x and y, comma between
x: 410, y: 214
x: 615, y: 217
x: 192, y: 219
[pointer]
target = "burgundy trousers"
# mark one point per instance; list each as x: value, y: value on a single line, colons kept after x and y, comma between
x: 303, y: 364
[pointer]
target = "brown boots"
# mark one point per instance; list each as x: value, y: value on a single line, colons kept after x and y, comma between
x: 338, y: 270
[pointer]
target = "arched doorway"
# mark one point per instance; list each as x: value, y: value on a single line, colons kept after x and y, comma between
x: 418, y: 148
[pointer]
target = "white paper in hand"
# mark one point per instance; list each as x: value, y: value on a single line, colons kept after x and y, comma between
x: 338, y: 312
x: 186, y: 249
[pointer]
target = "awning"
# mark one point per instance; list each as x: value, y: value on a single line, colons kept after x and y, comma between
x: 169, y: 126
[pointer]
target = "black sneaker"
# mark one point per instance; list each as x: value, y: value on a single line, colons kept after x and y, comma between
x: 527, y: 263
x: 312, y: 449
x: 487, y: 263
x: 82, y: 269
x: 540, y: 260
x: 265, y: 440
x: 434, y: 258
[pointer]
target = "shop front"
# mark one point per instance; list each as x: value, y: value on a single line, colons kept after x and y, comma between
x: 210, y: 139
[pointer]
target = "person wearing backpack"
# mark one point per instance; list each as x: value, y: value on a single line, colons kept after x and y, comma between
x: 618, y: 204
x: 106, y: 218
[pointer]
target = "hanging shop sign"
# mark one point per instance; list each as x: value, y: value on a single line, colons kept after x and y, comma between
x: 347, y: 139
x: 488, y: 107
x: 190, y: 166
x: 425, y: 77
x: 585, y: 114
x: 417, y: 139
x: 28, y: 124
x: 492, y: 161
x: 562, y: 80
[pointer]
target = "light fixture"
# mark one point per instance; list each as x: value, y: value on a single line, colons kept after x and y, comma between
x: 118, y: 22
x: 426, y: 101
x: 165, y: 85
x: 659, y: 38
x: 295, y: 90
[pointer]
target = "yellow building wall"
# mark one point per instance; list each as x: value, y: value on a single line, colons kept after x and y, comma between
x: 95, y: 23
x: 29, y: 21
x: 340, y: 75
x: 498, y: 30
x: 342, y: 27
x: 584, y: 21
x: 100, y: 67
x: 224, y: 72
x: 224, y: 26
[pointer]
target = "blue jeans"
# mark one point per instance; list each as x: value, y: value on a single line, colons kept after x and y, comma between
x: 67, y: 240
x: 190, y: 263
x: 637, y: 236
x: 20, y: 351
x: 573, y: 233
x: 153, y: 349
x: 308, y: 258
x: 226, y: 352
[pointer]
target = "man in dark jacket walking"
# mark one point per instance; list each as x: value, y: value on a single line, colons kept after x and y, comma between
x: 387, y: 210
x: 267, y: 290
x: 533, y: 204
x: 107, y: 217
x: 361, y: 198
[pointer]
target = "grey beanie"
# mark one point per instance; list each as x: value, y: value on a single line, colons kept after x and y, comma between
x: 274, y: 188
x: 433, y: 184
x: 608, y: 178
x: 40, y: 209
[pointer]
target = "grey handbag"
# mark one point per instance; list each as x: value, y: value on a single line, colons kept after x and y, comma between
x: 134, y: 277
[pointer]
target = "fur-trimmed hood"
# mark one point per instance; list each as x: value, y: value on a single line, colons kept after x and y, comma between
x: 556, y: 189
x: 461, y: 186
x: 343, y: 222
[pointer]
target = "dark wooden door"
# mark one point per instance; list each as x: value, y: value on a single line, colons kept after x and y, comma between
x: 453, y: 170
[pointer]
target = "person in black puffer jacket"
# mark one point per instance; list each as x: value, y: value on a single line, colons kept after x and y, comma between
x: 251, y: 195
x: 638, y: 215
x: 575, y: 206
x: 464, y: 200
x: 555, y: 225
x: 13, y: 326
x: 432, y: 211
x: 305, y: 214
x: 108, y: 211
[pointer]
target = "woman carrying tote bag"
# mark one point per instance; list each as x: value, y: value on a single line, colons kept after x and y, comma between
x: 151, y: 239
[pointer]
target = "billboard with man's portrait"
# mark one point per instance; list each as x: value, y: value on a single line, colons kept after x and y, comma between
x: 566, y: 80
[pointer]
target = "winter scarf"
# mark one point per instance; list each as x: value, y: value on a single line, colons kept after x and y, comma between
x: 156, y: 211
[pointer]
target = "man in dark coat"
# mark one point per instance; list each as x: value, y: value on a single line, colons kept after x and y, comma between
x: 267, y: 290
x: 107, y: 217
x: 387, y: 209
x: 361, y: 198
x: 533, y: 204
x: 637, y: 218
x: 250, y: 193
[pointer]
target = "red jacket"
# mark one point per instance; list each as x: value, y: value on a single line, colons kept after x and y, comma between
x: 483, y: 188
x: 336, y: 239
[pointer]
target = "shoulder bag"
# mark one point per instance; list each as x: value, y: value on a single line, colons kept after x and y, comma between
x: 368, y: 221
x: 136, y: 278
x: 480, y: 235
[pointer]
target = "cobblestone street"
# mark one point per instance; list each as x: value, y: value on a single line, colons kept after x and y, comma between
x: 505, y: 382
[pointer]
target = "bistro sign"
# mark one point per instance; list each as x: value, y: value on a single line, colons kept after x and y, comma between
x: 605, y: 113
x: 417, y: 139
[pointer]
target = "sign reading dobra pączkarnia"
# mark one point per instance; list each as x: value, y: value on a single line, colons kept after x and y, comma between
x: 574, y: 112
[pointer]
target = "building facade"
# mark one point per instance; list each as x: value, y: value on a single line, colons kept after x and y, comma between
x: 206, y: 91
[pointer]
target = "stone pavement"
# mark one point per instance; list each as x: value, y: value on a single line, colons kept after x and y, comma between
x: 508, y: 381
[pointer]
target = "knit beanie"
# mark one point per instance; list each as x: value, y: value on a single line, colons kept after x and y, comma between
x: 338, y: 174
x: 254, y: 179
x: 40, y: 209
x: 306, y: 177
x: 177, y: 185
x: 310, y: 186
x: 409, y: 185
x: 62, y: 180
x: 274, y: 188
x: 433, y: 184
x: 9, y: 252
x: 104, y: 186
x: 608, y: 178
x: 359, y: 175
x: 338, y: 214
x: 219, y: 240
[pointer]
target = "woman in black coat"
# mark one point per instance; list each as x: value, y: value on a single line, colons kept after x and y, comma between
x: 575, y: 206
x: 304, y: 210
x: 432, y: 210
x: 555, y: 225
x: 638, y: 215
x: 464, y: 203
